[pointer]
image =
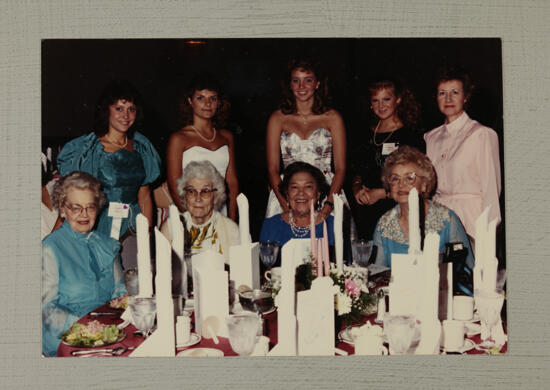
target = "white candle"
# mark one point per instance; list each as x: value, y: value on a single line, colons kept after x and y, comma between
x: 320, y: 257
x: 326, y: 257
x: 414, y: 227
x: 338, y: 233
x: 244, y: 229
x: 312, y: 229
x: 145, y: 276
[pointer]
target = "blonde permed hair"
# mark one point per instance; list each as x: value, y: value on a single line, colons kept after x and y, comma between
x: 409, y: 155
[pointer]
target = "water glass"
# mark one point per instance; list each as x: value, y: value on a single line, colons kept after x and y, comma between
x: 143, y: 312
x: 132, y: 281
x: 489, y: 305
x: 400, y: 332
x: 268, y: 253
x: 243, y: 330
x: 361, y: 250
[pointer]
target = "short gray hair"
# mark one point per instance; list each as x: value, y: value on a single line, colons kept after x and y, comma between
x: 203, y: 170
x: 80, y: 180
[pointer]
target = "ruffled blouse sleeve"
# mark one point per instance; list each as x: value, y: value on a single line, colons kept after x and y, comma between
x: 80, y: 154
x: 149, y: 156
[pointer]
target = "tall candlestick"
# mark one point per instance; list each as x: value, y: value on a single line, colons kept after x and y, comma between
x: 312, y: 229
x: 145, y: 277
x: 320, y: 256
x: 326, y: 257
x: 338, y: 233
x: 414, y: 230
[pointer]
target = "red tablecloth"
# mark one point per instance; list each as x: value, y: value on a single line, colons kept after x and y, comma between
x: 270, y: 330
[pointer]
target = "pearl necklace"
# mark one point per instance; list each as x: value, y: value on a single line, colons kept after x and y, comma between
x: 297, y: 231
x: 202, y: 136
x: 114, y: 143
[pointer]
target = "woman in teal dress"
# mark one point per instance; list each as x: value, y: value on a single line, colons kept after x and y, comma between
x: 404, y: 169
x: 80, y: 267
x: 122, y: 159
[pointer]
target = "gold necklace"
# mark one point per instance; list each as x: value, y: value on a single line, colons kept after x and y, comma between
x: 374, y: 135
x: 114, y: 143
x: 203, y: 137
x: 304, y: 117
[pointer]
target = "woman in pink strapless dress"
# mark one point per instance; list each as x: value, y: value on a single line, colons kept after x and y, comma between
x: 305, y: 129
x: 203, y: 108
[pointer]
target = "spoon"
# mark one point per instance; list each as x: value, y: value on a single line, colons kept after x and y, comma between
x: 111, y: 351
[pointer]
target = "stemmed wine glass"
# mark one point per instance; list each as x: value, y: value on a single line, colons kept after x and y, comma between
x: 400, y: 332
x: 268, y: 253
x: 144, y: 310
x: 489, y: 305
x: 243, y: 330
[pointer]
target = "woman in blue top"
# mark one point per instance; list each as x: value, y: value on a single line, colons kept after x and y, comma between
x: 302, y: 184
x: 404, y: 169
x: 80, y: 267
x: 123, y: 160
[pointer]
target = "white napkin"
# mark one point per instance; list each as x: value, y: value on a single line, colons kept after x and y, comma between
x: 244, y: 263
x: 244, y: 229
x: 338, y: 239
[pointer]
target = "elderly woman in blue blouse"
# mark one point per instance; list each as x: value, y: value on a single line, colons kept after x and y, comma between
x: 302, y: 183
x: 404, y: 169
x: 80, y: 267
x: 122, y: 159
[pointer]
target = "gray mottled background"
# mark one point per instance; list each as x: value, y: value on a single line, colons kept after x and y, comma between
x: 524, y: 29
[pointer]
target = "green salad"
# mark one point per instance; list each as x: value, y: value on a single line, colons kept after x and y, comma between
x: 93, y: 334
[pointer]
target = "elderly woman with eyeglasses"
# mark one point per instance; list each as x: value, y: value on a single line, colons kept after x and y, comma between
x: 201, y: 189
x: 80, y: 267
x: 404, y: 169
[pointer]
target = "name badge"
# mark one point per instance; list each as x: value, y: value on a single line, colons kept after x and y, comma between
x: 388, y: 148
x: 118, y: 210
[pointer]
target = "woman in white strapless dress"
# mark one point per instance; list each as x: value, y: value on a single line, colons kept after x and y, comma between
x: 202, y: 110
x: 305, y: 129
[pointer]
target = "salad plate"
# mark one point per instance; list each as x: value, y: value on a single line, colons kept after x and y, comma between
x: 120, y: 303
x: 93, y: 334
x: 468, y: 345
x: 201, y: 352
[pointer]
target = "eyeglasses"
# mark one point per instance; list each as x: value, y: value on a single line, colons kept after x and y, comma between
x: 205, y: 193
x: 77, y: 209
x: 409, y: 178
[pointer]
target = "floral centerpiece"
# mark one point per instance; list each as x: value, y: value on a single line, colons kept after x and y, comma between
x: 352, y: 298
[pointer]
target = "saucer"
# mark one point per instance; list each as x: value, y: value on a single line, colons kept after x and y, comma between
x: 193, y: 339
x: 468, y: 345
x: 200, y: 352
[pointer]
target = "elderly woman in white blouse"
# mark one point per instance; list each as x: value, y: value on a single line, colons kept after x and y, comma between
x: 202, y: 192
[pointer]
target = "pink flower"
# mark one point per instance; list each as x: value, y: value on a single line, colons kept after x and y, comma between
x: 352, y: 288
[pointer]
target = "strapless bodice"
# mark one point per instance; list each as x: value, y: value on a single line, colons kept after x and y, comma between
x: 219, y: 157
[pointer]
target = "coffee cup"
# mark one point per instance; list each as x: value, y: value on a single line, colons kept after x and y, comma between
x: 453, y: 335
x: 273, y: 274
x: 463, y: 308
x: 369, y: 345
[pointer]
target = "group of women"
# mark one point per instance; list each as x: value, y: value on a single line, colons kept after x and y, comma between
x: 305, y: 137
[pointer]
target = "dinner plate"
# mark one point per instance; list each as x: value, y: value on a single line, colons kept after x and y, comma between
x: 201, y: 352
x: 80, y: 345
x: 193, y: 339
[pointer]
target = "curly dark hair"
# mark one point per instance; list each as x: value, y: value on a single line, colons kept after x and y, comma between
x: 300, y: 166
x: 408, y: 110
x: 321, y: 99
x: 114, y: 91
x: 200, y: 82
x: 448, y: 73
x: 409, y: 155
